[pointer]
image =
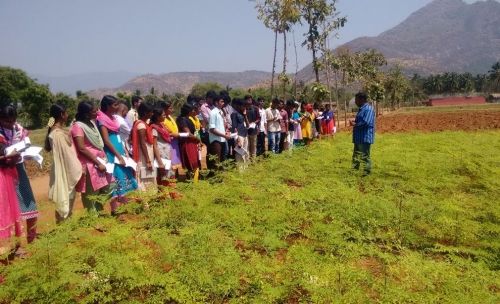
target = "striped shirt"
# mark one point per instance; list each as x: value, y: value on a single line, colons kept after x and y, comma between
x: 364, y: 125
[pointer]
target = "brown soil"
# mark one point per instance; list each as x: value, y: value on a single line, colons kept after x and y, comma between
x: 439, y: 121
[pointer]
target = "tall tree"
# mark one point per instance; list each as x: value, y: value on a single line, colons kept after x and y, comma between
x: 279, y: 16
x: 322, y: 18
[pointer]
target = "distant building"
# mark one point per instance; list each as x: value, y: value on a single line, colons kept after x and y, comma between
x: 455, y: 101
x: 495, y: 97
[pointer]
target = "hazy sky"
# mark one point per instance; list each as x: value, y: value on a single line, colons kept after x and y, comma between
x: 63, y: 37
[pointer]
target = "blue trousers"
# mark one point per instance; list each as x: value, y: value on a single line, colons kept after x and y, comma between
x: 273, y: 141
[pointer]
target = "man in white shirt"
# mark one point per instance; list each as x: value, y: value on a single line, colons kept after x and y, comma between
x: 132, y: 115
x: 261, y: 136
x: 217, y: 135
x: 273, y: 118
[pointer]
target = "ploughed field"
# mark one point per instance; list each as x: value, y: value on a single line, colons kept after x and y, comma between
x: 467, y: 118
x: 295, y: 228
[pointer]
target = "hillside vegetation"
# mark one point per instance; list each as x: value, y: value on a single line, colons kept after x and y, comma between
x: 298, y: 227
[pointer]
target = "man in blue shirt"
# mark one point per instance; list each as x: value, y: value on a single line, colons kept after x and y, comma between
x: 363, y: 133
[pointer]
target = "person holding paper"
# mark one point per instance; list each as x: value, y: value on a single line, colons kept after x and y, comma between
x: 273, y: 117
x: 283, y: 145
x: 306, y: 122
x: 142, y: 147
x: 239, y: 123
x: 66, y: 169
x: 10, y: 212
x: 90, y: 152
x: 161, y: 146
x: 13, y: 133
x: 253, y: 120
x: 217, y: 135
x: 171, y: 126
x: 189, y: 144
x: 261, y: 136
x: 114, y: 148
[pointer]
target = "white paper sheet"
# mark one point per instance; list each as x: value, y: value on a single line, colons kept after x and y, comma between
x: 129, y: 162
x: 166, y: 162
x: 19, y: 147
x: 234, y: 135
x: 252, y: 125
x: 240, y: 151
x: 183, y: 134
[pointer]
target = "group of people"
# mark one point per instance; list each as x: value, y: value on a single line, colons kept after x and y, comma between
x: 110, y: 151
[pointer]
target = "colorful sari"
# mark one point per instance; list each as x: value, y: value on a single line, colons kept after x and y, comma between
x: 10, y: 213
x: 125, y: 181
x: 65, y: 173
x: 145, y: 177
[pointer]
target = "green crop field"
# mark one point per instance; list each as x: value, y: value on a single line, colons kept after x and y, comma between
x: 298, y: 227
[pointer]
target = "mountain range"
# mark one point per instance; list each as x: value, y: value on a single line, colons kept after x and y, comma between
x: 443, y: 36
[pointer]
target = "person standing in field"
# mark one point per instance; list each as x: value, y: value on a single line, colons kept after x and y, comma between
x: 90, y: 151
x: 363, y: 134
x: 189, y: 141
x: 124, y: 127
x: 283, y: 145
x: 66, y: 169
x: 142, y: 149
x: 205, y: 109
x: 239, y: 123
x: 114, y: 148
x: 273, y: 118
x: 306, y: 123
x: 261, y: 136
x: 161, y: 146
x: 13, y: 133
x: 172, y: 128
x: 253, y: 121
x: 217, y: 135
x: 10, y: 212
x: 132, y: 114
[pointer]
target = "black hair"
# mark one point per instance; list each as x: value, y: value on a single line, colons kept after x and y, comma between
x: 55, y: 112
x: 248, y: 97
x: 8, y: 111
x: 211, y: 94
x: 144, y: 109
x: 362, y: 96
x: 260, y: 99
x: 83, y: 110
x: 165, y: 104
x: 157, y: 113
x: 135, y: 99
x: 186, y: 109
x: 107, y: 101
x: 225, y: 96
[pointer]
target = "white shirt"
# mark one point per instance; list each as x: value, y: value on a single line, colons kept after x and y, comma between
x: 262, y: 125
x: 216, y: 121
x: 273, y: 117
x: 131, y: 117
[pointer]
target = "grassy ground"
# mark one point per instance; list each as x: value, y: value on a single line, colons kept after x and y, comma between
x: 299, y: 227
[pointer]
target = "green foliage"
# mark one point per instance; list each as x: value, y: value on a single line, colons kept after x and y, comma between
x: 298, y: 227
x: 200, y: 89
x: 32, y: 99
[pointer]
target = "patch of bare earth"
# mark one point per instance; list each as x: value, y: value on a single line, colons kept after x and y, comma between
x: 473, y: 120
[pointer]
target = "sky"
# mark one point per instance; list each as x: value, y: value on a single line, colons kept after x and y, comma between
x: 67, y: 37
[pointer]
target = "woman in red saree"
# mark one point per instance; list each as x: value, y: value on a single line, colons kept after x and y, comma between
x: 188, y: 141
